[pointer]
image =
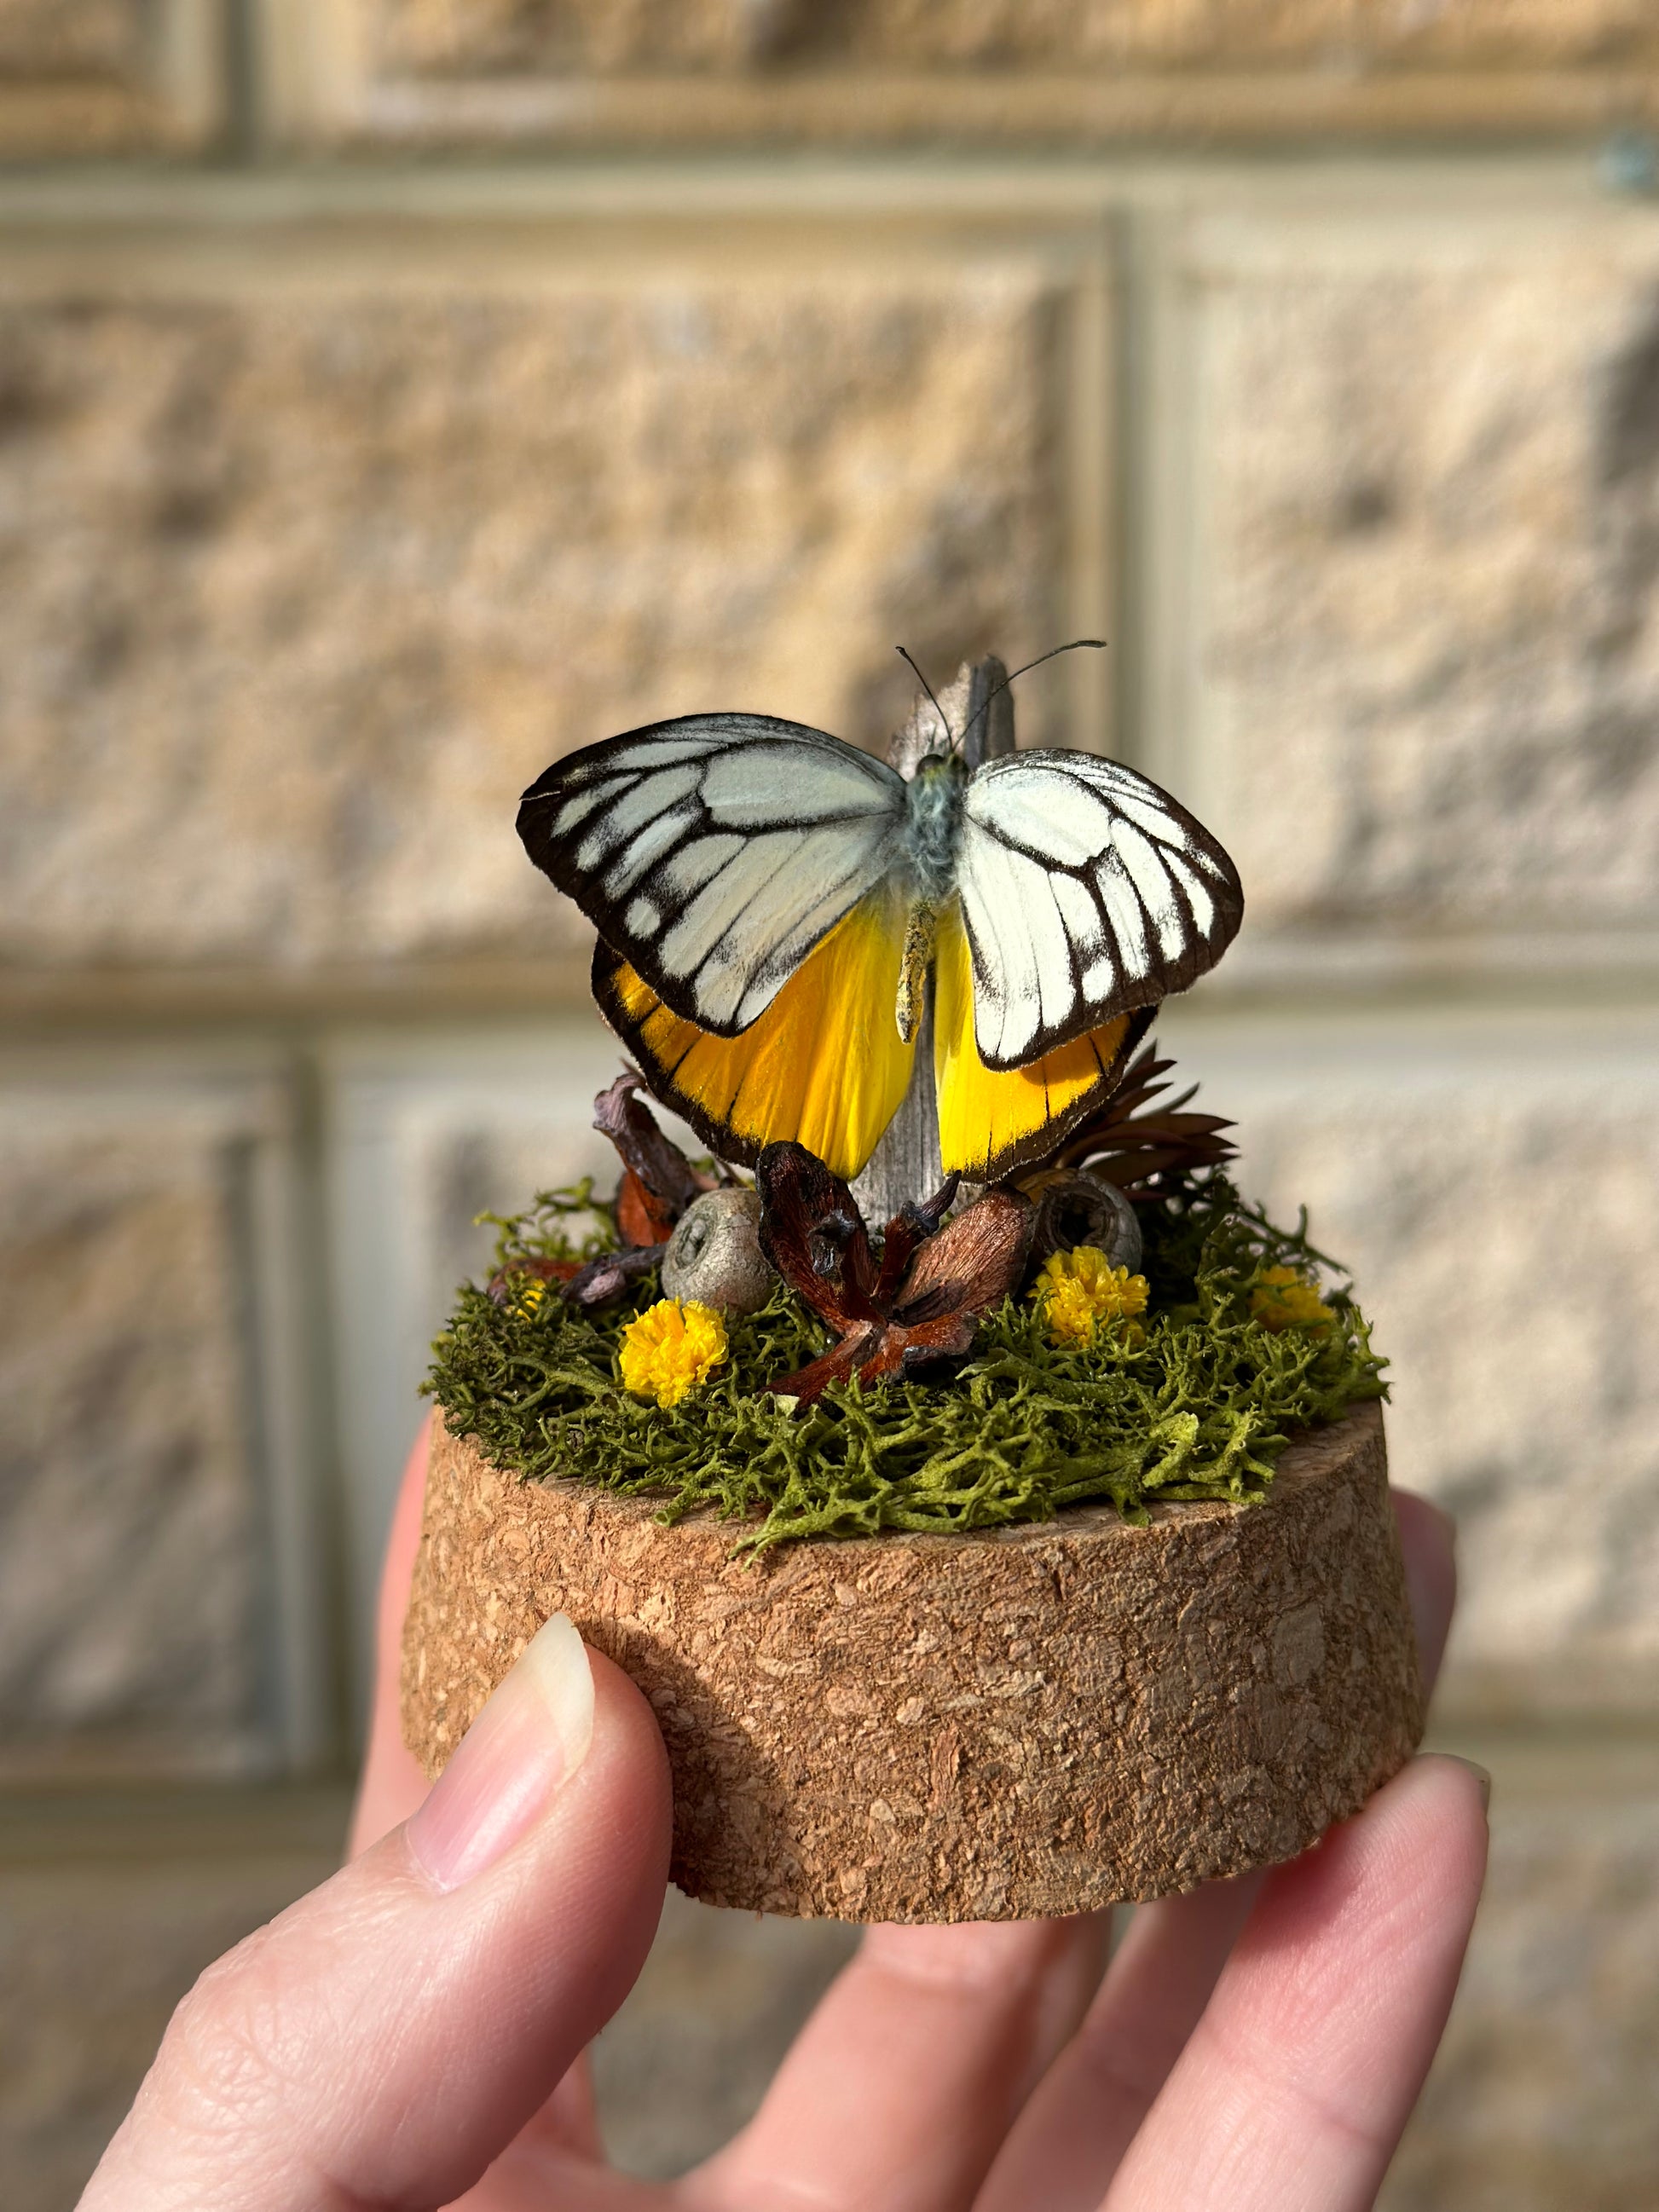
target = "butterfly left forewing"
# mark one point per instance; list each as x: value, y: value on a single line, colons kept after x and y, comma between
x: 715, y: 851
x: 1086, y: 892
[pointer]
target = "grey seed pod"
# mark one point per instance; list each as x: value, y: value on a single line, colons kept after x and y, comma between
x: 1121, y: 1240
x: 1085, y: 1209
x: 715, y: 1256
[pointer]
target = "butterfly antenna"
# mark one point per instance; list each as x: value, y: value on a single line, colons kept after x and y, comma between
x: 1094, y: 645
x: 944, y: 719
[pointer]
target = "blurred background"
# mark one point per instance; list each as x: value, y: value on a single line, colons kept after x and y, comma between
x: 394, y: 394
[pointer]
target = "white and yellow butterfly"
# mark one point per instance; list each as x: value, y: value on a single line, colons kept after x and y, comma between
x: 771, y: 903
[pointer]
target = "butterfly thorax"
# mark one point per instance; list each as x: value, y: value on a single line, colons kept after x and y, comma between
x: 932, y: 828
x: 932, y: 832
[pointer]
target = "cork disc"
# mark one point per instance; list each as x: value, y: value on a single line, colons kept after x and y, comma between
x: 1014, y: 1723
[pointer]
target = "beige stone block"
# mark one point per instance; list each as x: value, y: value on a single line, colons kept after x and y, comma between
x: 428, y: 1134
x: 99, y: 38
x: 1489, y: 1185
x: 503, y: 37
x: 655, y: 37
x: 103, y: 76
x: 132, y: 1540
x: 966, y: 72
x: 1541, y: 2096
x: 301, y: 582
x: 1426, y: 648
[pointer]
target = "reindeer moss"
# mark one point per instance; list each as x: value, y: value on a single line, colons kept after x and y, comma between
x: 1201, y: 1408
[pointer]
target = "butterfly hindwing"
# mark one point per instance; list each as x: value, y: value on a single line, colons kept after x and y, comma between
x: 1086, y: 892
x: 715, y: 852
x: 994, y: 1120
x: 824, y: 1065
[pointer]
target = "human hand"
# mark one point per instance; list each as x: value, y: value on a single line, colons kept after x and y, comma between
x: 410, y: 2035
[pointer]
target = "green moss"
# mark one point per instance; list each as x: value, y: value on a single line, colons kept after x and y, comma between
x: 1201, y: 1408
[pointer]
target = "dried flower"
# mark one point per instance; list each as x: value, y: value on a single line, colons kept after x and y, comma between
x: 908, y: 1308
x: 1080, y: 1289
x: 1146, y: 1153
x: 670, y: 1349
x: 1284, y: 1298
x: 659, y: 1183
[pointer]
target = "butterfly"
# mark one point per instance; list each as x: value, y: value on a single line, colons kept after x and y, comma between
x: 773, y: 906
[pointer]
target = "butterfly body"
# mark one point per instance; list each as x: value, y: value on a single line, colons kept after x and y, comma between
x: 935, y: 799
x: 775, y: 908
x: 932, y: 835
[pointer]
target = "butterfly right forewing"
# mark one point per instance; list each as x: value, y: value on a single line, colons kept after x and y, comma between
x: 1087, y: 892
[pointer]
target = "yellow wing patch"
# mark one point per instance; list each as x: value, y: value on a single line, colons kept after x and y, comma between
x: 992, y: 1120
x: 824, y: 1065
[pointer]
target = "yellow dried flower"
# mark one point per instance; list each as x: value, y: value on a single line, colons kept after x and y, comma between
x: 1284, y: 1298
x: 1080, y: 1289
x: 670, y: 1349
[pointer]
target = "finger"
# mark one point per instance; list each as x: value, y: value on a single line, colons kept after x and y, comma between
x: 387, y: 2036
x: 1428, y: 1538
x: 1292, y: 2091
x: 1077, y: 2125
x: 1080, y: 2119
x: 392, y: 1785
x: 905, y: 2080
x: 558, y: 2158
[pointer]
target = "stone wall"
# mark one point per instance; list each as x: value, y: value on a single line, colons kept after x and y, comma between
x: 111, y: 76
x: 1074, y: 73
x: 338, y: 497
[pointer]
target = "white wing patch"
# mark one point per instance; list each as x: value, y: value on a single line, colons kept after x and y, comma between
x: 714, y: 852
x: 1081, y: 912
x: 1087, y: 891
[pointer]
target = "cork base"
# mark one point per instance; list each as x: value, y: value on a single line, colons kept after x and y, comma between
x: 1024, y: 1721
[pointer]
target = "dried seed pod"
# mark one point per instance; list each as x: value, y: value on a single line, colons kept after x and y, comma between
x: 1081, y: 1208
x: 714, y: 1255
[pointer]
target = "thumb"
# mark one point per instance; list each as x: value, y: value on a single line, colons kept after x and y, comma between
x: 385, y: 2038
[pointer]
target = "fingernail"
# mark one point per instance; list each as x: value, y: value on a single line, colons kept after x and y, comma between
x: 528, y: 1741
x: 1479, y: 1773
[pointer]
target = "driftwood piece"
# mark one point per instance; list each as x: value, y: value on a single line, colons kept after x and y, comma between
x: 1022, y: 1722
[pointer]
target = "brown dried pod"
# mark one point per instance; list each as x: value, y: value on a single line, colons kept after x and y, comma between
x: 910, y: 1310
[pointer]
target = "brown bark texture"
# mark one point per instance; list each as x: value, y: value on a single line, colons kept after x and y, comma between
x: 1018, y: 1723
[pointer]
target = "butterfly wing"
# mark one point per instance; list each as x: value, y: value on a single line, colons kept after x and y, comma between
x: 1086, y: 892
x: 824, y: 1064
x: 715, y: 852
x: 994, y: 1121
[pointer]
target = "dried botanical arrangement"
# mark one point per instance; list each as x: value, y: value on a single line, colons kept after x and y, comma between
x: 1119, y: 1331
x: 956, y: 1270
